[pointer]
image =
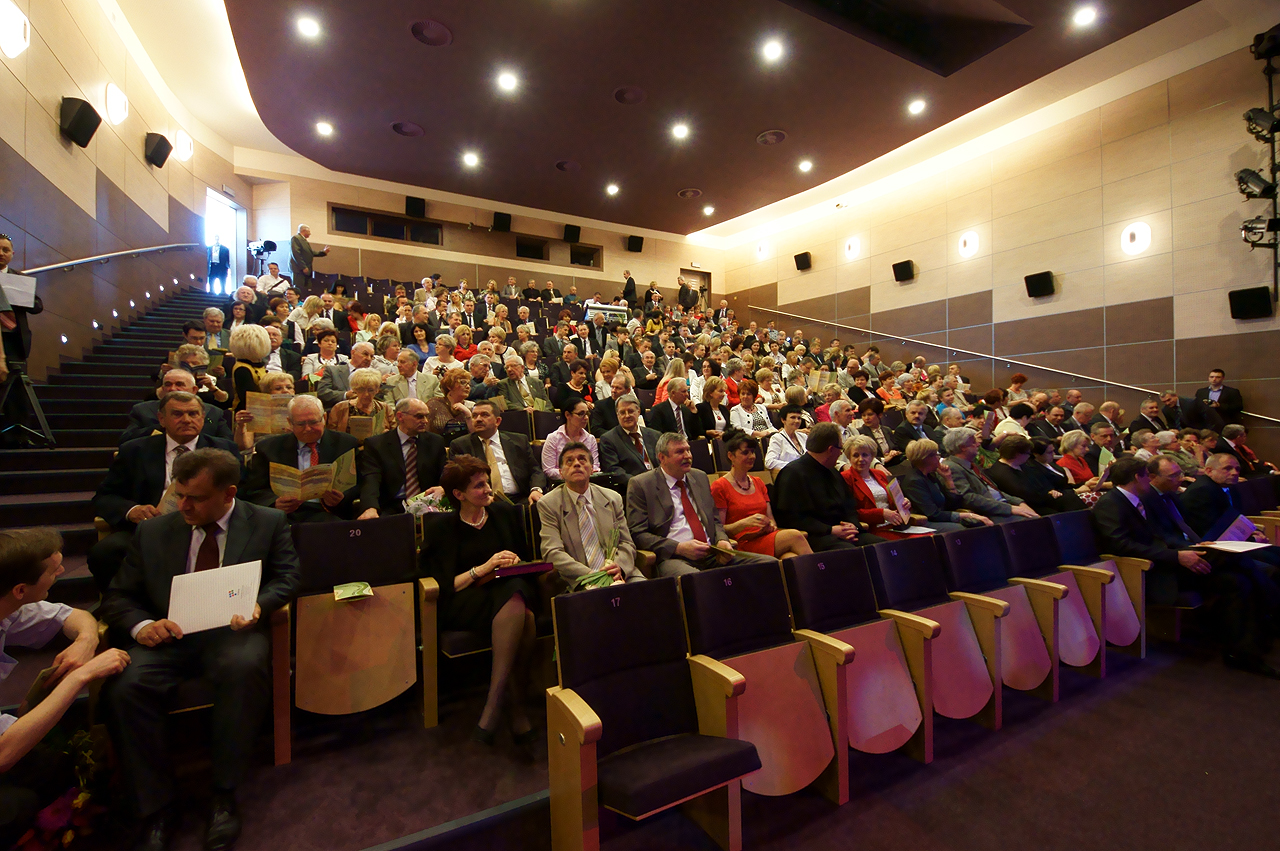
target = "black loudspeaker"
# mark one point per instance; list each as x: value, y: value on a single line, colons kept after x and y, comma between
x: 79, y: 121
x: 904, y: 271
x: 157, y: 149
x: 501, y: 222
x: 803, y: 261
x: 416, y: 207
x: 1253, y: 303
x: 635, y: 243
x: 572, y: 233
x: 1039, y: 285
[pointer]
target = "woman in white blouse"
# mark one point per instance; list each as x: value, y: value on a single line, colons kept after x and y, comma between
x: 302, y: 317
x: 787, y: 445
x: 749, y: 415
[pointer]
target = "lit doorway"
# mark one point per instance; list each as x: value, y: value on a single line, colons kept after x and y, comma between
x: 220, y: 222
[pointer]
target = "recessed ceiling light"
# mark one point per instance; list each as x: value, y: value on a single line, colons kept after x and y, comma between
x: 324, y: 128
x: 117, y: 104
x: 805, y: 165
x: 612, y: 189
x: 708, y: 210
x: 64, y: 338
x: 507, y: 81
x: 470, y: 160
x: 680, y: 131
x: 916, y: 107
x: 1136, y: 238
x: 1084, y: 16
x: 772, y: 50
x: 968, y: 244
x: 308, y: 27
x: 15, y: 30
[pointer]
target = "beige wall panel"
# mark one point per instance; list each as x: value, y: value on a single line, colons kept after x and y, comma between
x: 1212, y: 174
x: 1161, y: 238
x: 1206, y: 314
x: 1068, y: 215
x: 897, y: 234
x: 1069, y: 176
x: 271, y: 195
x: 13, y: 106
x: 765, y: 272
x: 983, y: 231
x: 968, y: 210
x: 1070, y: 253
x: 102, y: 37
x: 375, y: 199
x: 143, y: 100
x: 1208, y: 221
x: 813, y: 285
x: 969, y: 178
x: 66, y: 166
x: 736, y: 280
x: 1219, y: 266
x: 1214, y: 82
x: 1148, y: 277
x: 53, y: 22
x: 853, y: 274
x: 904, y: 203
x: 215, y: 171
x: 1137, y: 196
x: 1216, y: 128
x: 48, y: 82
x: 182, y: 186
x: 1071, y: 137
x: 740, y: 256
x: 145, y: 191
x: 1074, y: 291
x: 971, y: 276
x: 1136, y: 154
x: 1135, y: 113
x: 111, y: 154
x: 929, y: 285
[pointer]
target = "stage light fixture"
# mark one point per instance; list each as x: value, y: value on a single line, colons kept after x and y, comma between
x: 1266, y: 45
x: 1253, y: 185
x: 1253, y: 231
x: 1261, y: 124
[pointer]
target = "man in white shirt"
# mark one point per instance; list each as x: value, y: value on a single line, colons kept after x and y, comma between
x: 578, y: 521
x: 271, y: 284
x: 513, y: 471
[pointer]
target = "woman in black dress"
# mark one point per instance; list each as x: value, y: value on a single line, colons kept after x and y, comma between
x: 1018, y: 474
x: 462, y: 550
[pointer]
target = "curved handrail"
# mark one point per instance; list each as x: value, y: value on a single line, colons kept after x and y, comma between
x: 107, y: 258
x: 1089, y: 378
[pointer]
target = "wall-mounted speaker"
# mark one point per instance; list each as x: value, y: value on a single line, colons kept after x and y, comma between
x: 635, y: 243
x: 79, y: 120
x: 572, y: 233
x: 501, y: 222
x: 157, y: 149
x: 803, y: 261
x: 415, y: 207
x: 1039, y: 285
x: 1251, y: 303
x: 904, y: 271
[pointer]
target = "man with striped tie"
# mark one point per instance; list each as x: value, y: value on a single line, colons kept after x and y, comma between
x: 579, y: 522
x: 400, y: 464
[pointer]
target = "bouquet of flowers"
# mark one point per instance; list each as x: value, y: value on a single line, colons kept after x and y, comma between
x: 600, y: 578
x: 427, y: 503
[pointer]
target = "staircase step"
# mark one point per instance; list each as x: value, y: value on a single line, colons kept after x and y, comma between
x: 44, y: 481
x: 23, y: 460
x: 62, y: 422
x: 131, y: 370
x: 134, y: 392
x: 46, y: 509
x: 77, y: 538
x: 88, y: 437
x: 118, y: 407
x: 139, y: 381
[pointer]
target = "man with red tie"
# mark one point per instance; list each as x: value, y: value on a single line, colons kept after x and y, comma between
x: 672, y: 514
x: 306, y: 444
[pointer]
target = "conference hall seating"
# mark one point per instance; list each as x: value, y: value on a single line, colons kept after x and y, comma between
x: 1123, y: 621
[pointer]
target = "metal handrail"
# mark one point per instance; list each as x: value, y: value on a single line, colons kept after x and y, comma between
x: 107, y: 258
x: 956, y: 349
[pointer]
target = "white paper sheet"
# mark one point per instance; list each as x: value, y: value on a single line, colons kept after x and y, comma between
x: 19, y: 289
x: 1232, y: 546
x: 208, y: 599
x: 1241, y: 529
x: 914, y: 530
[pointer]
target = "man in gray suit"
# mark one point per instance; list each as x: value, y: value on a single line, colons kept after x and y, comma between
x: 335, y: 384
x: 628, y: 450
x: 671, y: 513
x: 302, y: 257
x: 409, y: 383
x: 579, y: 512
x: 979, y: 492
x: 532, y: 396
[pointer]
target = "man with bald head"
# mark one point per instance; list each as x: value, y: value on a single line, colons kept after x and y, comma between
x: 335, y: 383
x: 302, y: 257
x: 306, y: 444
x: 144, y: 418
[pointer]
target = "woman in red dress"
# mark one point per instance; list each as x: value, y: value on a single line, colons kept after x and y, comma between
x: 743, y: 505
x: 870, y: 488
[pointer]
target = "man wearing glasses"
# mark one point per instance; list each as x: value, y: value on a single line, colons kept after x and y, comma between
x: 400, y: 464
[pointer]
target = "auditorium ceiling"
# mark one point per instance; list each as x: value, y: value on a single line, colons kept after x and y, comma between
x: 410, y: 89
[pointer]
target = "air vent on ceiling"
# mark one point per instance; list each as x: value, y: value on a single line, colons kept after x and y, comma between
x: 629, y: 95
x: 690, y: 193
x: 771, y: 137
x: 408, y: 128
x: 568, y: 166
x: 432, y: 33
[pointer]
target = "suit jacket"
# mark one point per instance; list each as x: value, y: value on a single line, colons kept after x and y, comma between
x: 604, y: 416
x: 977, y: 497
x: 552, y: 349
x: 559, y: 373
x: 599, y: 338
x: 508, y: 390
x: 136, y: 477
x: 650, y: 511
x: 220, y: 340
x: 551, y: 292
x: 1230, y: 403
x: 525, y: 469
x: 283, y: 449
x: 629, y: 290
x: 618, y: 453
x: 1123, y: 531
x: 382, y: 471
x: 302, y: 256
x: 646, y: 380
x: 334, y: 384
x: 562, y: 532
x: 662, y: 418
x: 144, y: 418
x: 707, y: 420
x: 159, y: 552
x: 1247, y: 467
x: 427, y: 385
x: 218, y: 260
x: 905, y: 433
x: 1206, y: 505
x: 928, y: 497
x: 1140, y: 422
x: 812, y: 498
x: 1040, y: 427
x: 1163, y: 521
x: 291, y: 362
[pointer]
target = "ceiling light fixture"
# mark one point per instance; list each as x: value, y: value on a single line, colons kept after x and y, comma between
x: 309, y: 27
x: 1135, y: 239
x: 772, y: 50
x: 1253, y: 185
x: 1084, y: 16
x: 680, y: 131
x: 968, y: 244
x: 611, y: 189
x: 117, y: 104
x: 852, y: 248
x: 708, y: 210
x: 15, y: 30
x: 470, y: 160
x: 324, y: 128
x: 916, y: 107
x: 507, y: 81
x: 806, y: 165
x: 184, y: 146
x: 762, y: 250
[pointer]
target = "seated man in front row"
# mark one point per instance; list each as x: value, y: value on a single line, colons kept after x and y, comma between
x: 386, y: 460
x: 978, y: 492
x: 513, y: 468
x: 144, y: 418
x: 211, y: 528
x: 307, y: 444
x: 31, y: 775
x: 579, y: 521
x: 672, y: 514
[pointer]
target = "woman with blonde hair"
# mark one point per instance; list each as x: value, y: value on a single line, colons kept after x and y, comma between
x: 604, y: 376
x: 250, y: 345
x: 768, y: 394
x: 303, y: 315
x: 443, y: 360
x: 465, y: 348
x: 675, y: 369
x: 366, y: 384
x: 370, y: 329
x: 273, y: 384
x: 498, y: 319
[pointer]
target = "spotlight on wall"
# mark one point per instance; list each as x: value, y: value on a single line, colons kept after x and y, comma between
x: 1135, y: 239
x: 117, y: 104
x: 1261, y: 124
x: 15, y: 30
x: 1253, y: 231
x: 1253, y: 185
x: 1266, y: 45
x: 184, y: 146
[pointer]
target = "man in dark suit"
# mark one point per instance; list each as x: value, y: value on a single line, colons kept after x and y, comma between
x: 302, y: 257
x: 283, y: 358
x: 15, y: 346
x: 1050, y: 425
x: 1125, y: 528
x: 513, y: 470
x: 599, y: 336
x: 144, y: 417
x: 629, y: 290
x: 721, y: 314
x: 139, y: 474
x: 604, y: 415
x: 646, y: 372
x: 628, y: 450
x: 913, y: 426
x: 307, y: 444
x: 1211, y: 503
x: 688, y: 296
x: 473, y: 315
x: 335, y: 384
x: 979, y: 493
x: 553, y: 346
x: 551, y: 292
x: 561, y: 371
x: 1235, y: 442
x: 219, y: 261
x: 1103, y: 435
x: 211, y: 528
x: 1148, y: 418
x: 672, y: 514
x: 384, y: 462
x: 671, y: 414
x: 1226, y: 401
x: 329, y: 310
x: 812, y: 497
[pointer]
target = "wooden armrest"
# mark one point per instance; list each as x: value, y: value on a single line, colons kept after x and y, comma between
x: 1097, y: 574
x: 280, y: 616
x: 1271, y: 513
x: 1039, y: 586
x: 102, y: 527
x: 103, y: 631
x: 999, y: 608
x: 708, y: 671
x: 825, y: 644
x: 647, y: 558
x: 924, y: 626
x: 581, y: 718
x: 1127, y: 562
x: 428, y: 590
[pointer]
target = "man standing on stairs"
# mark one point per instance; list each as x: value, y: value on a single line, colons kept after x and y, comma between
x: 16, y: 337
x: 303, y: 257
x: 145, y: 416
x: 136, y: 481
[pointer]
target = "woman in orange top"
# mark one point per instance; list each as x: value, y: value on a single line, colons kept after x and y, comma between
x: 743, y: 505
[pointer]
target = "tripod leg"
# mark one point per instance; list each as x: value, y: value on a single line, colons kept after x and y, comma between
x: 37, y: 410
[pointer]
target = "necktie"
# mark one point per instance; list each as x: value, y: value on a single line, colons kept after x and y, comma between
x: 207, y: 557
x: 315, y: 453
x: 690, y: 515
x: 675, y: 409
x: 495, y: 473
x: 635, y: 438
x: 524, y: 393
x: 179, y: 450
x: 411, y: 488
x: 1142, y: 509
x: 1187, y: 531
x: 590, y: 540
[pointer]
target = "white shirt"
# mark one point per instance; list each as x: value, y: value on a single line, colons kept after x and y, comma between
x: 508, y: 481
x: 273, y: 362
x: 680, y: 530
x: 171, y: 454
x: 193, y: 552
x: 782, y: 451
x: 878, y: 493
x: 269, y: 282
x: 31, y: 625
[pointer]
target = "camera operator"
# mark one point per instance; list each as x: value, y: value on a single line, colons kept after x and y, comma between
x: 16, y: 347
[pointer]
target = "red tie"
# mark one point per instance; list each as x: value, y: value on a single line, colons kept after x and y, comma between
x: 635, y: 438
x: 315, y: 453
x: 207, y: 557
x: 690, y: 515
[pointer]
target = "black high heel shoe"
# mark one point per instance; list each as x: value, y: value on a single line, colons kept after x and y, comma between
x: 527, y: 738
x: 483, y: 736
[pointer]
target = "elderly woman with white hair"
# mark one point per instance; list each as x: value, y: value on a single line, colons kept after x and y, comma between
x: 366, y: 384
x: 443, y: 361
x: 250, y: 345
